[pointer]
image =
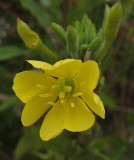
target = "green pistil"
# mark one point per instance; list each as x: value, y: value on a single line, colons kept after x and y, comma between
x: 64, y: 85
x: 69, y: 81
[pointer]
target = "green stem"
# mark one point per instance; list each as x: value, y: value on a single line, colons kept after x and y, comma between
x: 76, y: 55
x: 102, y: 155
x: 102, y: 50
x: 50, y: 53
x: 73, y: 55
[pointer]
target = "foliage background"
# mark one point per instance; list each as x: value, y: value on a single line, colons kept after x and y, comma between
x: 109, y: 139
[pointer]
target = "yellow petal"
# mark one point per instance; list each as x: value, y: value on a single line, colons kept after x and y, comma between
x: 78, y: 116
x: 35, y: 108
x: 89, y: 73
x: 39, y: 64
x: 53, y: 123
x: 67, y: 67
x: 63, y: 68
x: 26, y: 84
x: 94, y: 103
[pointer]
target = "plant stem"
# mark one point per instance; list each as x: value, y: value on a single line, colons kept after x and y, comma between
x: 50, y: 53
x: 101, y: 52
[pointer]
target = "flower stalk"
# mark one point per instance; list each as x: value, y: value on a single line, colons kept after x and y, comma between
x: 49, y: 52
x: 110, y: 28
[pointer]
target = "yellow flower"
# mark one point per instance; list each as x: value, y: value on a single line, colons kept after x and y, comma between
x: 68, y: 87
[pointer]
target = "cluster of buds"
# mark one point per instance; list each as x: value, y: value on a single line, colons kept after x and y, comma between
x: 81, y: 40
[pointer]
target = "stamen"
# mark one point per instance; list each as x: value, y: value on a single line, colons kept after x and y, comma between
x: 45, y: 95
x: 61, y: 94
x: 51, y: 103
x: 55, y: 87
x: 68, y: 89
x: 78, y: 94
x: 64, y: 86
x: 72, y: 105
x: 62, y: 100
x: 82, y: 83
x: 40, y: 86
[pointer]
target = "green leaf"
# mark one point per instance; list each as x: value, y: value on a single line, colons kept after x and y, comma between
x: 38, y: 12
x: 120, y: 147
x: 30, y: 141
x: 108, y: 101
x: 56, y: 145
x: 8, y: 52
x: 12, y: 100
x: 82, y: 7
x: 41, y: 155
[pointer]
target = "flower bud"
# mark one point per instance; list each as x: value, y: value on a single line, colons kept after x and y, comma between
x: 30, y: 38
x: 72, y: 40
x: 107, y: 11
x: 113, y: 21
x: 59, y: 32
x: 83, y: 49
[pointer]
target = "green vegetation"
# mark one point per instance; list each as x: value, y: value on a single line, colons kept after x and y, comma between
x: 109, y: 139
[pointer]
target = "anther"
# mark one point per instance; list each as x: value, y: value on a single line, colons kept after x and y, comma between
x: 40, y: 86
x: 83, y: 83
x: 51, y: 103
x: 61, y: 94
x: 72, y: 105
x: 55, y: 87
x: 45, y: 95
x: 62, y: 100
x: 68, y: 89
x: 78, y: 94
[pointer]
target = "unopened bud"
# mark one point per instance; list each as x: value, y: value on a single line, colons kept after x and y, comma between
x: 107, y: 11
x: 59, y: 32
x: 72, y: 40
x: 113, y: 21
x: 30, y: 38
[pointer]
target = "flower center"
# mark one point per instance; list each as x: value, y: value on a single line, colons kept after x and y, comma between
x: 64, y: 86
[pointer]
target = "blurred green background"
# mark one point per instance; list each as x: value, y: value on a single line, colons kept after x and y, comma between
x: 109, y: 139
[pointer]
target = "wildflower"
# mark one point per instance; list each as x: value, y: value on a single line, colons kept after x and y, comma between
x: 65, y: 90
